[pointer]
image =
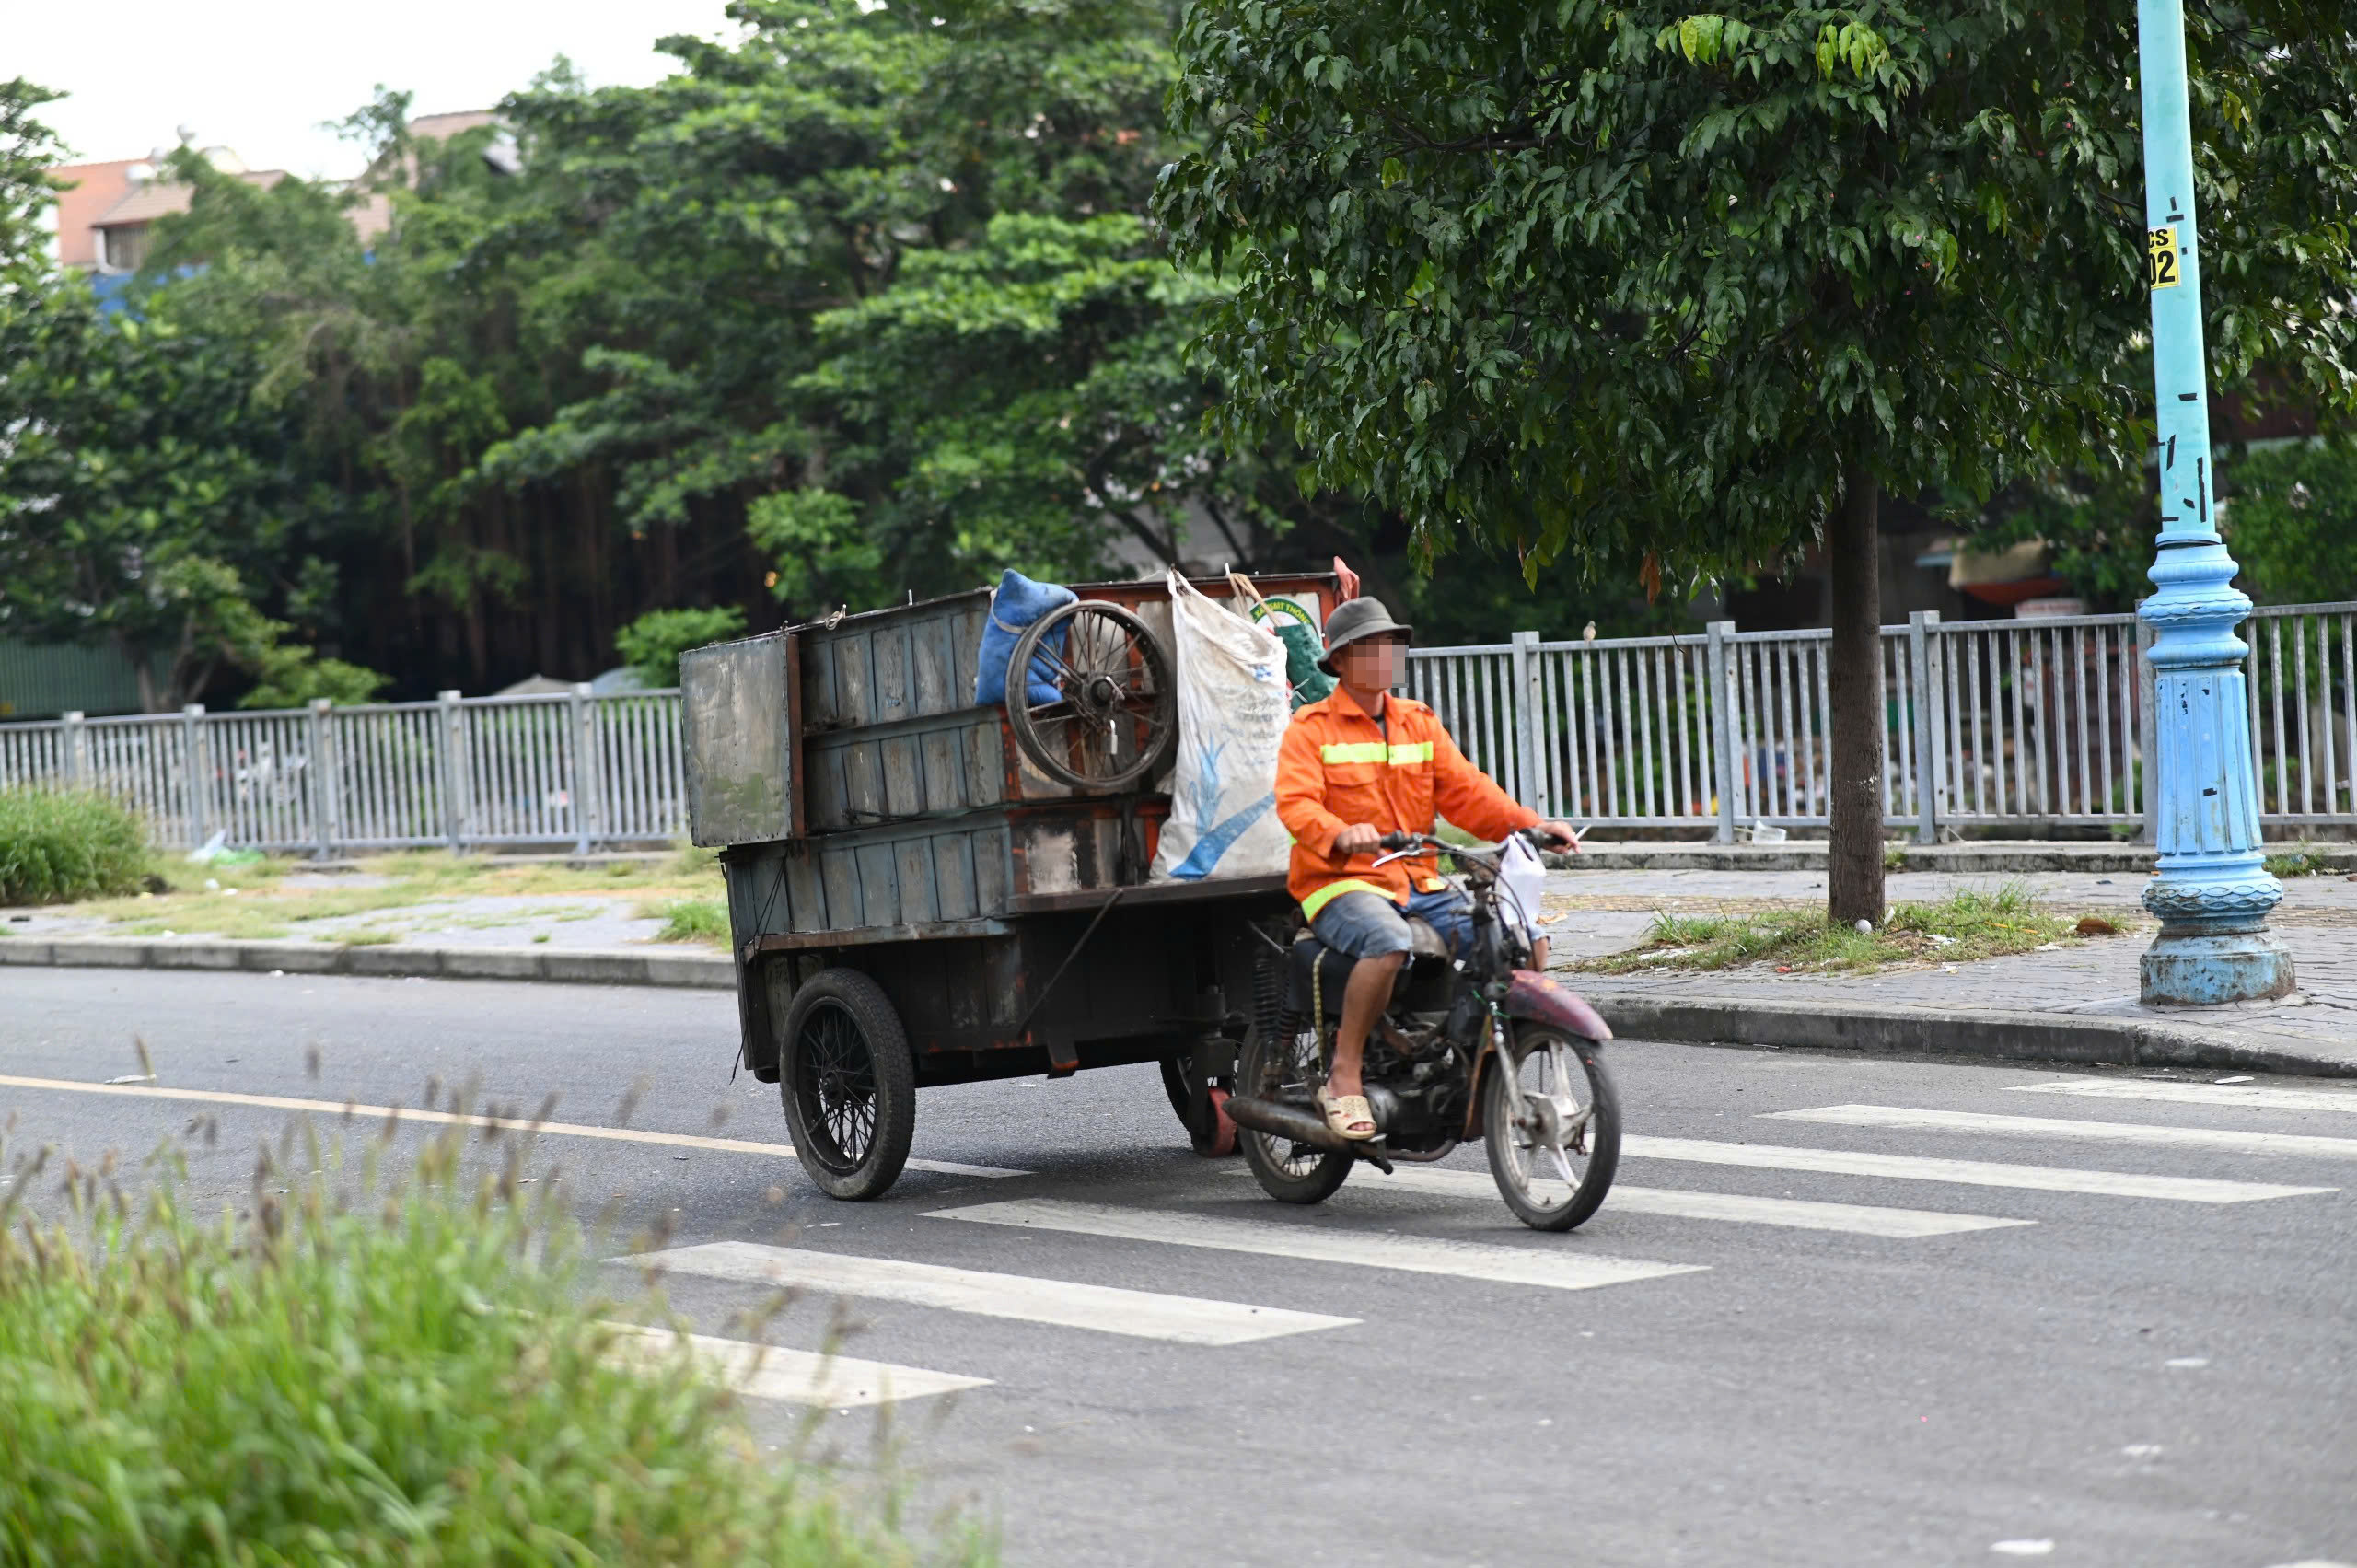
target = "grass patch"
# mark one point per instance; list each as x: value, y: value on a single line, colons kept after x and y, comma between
x: 2297, y: 863
x: 689, y: 920
x: 1894, y: 857
x: 361, y: 936
x: 356, y: 1370
x: 57, y: 846
x: 252, y: 901
x: 1957, y: 929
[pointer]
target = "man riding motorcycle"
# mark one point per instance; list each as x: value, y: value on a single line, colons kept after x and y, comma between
x: 1353, y: 767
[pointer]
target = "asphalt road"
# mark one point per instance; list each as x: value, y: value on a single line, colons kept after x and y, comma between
x: 2143, y: 1374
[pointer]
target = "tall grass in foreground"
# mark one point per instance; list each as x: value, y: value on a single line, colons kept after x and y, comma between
x: 364, y: 1372
x: 57, y: 845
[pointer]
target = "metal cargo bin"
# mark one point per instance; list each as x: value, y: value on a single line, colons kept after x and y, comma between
x: 737, y: 724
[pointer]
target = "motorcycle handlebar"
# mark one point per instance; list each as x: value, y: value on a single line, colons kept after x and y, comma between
x: 1536, y: 837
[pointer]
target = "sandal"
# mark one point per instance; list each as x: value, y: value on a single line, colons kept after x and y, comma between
x: 1349, y: 1115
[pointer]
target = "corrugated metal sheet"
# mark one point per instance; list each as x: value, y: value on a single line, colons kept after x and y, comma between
x: 39, y: 683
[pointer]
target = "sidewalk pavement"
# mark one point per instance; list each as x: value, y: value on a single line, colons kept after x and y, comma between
x: 2077, y: 1003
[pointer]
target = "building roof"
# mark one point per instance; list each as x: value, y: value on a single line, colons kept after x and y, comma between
x: 89, y: 189
x: 442, y: 127
x: 158, y: 197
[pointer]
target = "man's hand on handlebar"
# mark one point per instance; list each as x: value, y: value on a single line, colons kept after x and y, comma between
x: 1563, y: 835
x: 1359, y: 838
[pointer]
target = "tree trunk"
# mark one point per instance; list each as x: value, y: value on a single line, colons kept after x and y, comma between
x: 142, y: 673
x: 1853, y: 887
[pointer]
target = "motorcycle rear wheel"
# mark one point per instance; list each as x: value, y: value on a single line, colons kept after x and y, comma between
x: 1287, y: 1172
x: 1523, y: 1155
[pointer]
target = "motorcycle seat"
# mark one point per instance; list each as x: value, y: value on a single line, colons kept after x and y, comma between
x: 1334, y: 968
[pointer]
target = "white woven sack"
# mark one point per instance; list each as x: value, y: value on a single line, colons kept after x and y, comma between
x: 1234, y: 705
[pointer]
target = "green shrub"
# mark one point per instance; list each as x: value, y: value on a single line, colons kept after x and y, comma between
x: 59, y: 846
x: 691, y: 920
x: 651, y: 644
x: 348, y: 1372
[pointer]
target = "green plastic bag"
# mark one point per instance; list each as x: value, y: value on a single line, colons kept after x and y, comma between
x: 1303, y: 646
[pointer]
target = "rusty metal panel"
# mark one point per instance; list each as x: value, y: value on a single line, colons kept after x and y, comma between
x: 838, y: 874
x: 820, y: 711
x: 879, y: 892
x: 890, y: 660
x: 806, y: 892
x: 903, y: 775
x: 914, y: 873
x: 966, y: 649
x: 952, y: 875
x: 825, y: 786
x: 738, y: 736
x: 934, y: 766
x: 933, y: 666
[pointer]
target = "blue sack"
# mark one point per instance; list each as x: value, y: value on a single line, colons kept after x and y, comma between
x: 1017, y: 602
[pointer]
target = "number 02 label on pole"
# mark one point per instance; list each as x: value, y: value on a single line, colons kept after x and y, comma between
x: 2160, y: 259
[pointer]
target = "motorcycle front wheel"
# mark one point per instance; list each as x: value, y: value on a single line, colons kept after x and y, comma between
x: 1287, y: 1172
x: 1554, y: 1161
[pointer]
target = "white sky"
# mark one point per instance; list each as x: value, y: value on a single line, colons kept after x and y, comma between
x: 259, y: 76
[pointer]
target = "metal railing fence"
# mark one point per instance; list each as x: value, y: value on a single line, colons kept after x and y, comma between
x: 462, y: 772
x: 2028, y: 724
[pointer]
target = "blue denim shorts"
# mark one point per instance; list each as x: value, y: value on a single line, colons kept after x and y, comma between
x: 1367, y: 925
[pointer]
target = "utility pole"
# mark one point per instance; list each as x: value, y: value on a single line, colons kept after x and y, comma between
x: 2213, y: 893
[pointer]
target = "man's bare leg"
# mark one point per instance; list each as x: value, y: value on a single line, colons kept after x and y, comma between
x: 1363, y: 1001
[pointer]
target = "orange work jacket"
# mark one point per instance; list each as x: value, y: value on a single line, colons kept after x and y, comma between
x: 1338, y: 768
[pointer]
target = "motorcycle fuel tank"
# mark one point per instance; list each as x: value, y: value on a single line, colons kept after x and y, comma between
x: 1544, y: 1000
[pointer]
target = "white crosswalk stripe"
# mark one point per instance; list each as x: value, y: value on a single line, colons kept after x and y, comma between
x: 1182, y: 1320
x: 1556, y: 1269
x: 2233, y: 1140
x: 1968, y: 1173
x: 393, y: 1113
x: 2239, y: 1097
x: 1739, y: 1208
x: 772, y: 1372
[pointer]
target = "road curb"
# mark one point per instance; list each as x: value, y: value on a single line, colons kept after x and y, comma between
x: 1988, y: 859
x: 1888, y: 1030
x: 392, y: 960
x: 1879, y: 1030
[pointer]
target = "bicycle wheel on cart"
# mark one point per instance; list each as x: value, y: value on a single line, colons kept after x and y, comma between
x: 849, y: 1084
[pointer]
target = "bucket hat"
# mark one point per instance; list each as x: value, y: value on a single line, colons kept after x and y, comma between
x: 1356, y: 621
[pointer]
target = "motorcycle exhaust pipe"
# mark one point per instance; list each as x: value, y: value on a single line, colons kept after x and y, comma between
x: 1287, y: 1122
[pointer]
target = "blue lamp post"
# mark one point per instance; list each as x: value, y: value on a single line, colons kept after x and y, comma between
x: 2213, y: 893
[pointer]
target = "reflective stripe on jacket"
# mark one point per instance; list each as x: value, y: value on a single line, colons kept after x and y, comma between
x: 1339, y: 768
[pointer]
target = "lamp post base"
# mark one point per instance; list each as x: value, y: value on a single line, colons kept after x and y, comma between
x: 2204, y: 967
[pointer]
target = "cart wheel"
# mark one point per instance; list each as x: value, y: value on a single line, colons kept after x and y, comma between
x: 849, y: 1084
x: 1116, y: 713
x: 1218, y: 1141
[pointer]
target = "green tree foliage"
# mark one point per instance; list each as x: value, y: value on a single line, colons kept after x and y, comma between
x: 1612, y: 281
x: 2292, y: 520
x: 27, y: 149
x: 876, y: 281
x: 651, y: 646
x: 395, y: 365
x: 137, y: 481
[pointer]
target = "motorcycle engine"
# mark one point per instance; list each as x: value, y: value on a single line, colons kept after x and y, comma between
x: 1415, y: 1084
